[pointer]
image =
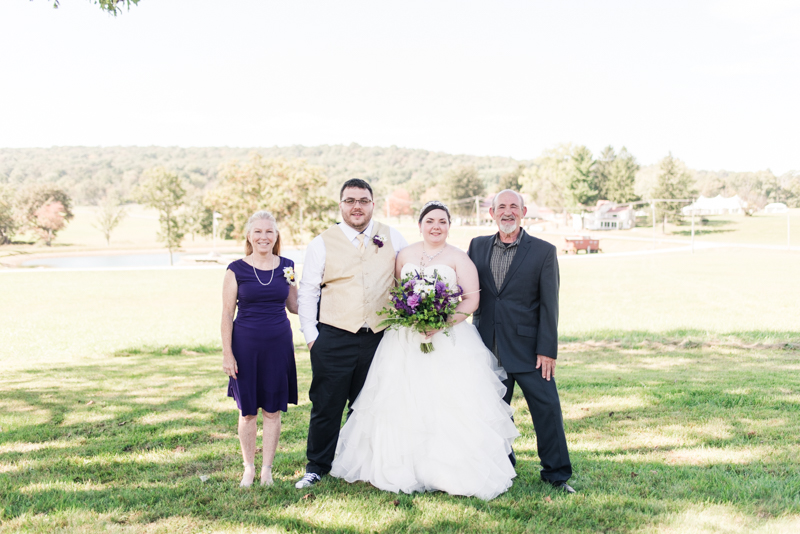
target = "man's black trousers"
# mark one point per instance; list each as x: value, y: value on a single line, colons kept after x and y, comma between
x: 545, y: 408
x: 340, y: 361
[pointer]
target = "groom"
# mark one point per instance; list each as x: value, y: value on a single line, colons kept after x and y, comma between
x: 518, y: 319
x: 347, y: 273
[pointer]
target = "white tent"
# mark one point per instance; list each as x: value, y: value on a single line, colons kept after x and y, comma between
x: 776, y: 207
x: 716, y: 206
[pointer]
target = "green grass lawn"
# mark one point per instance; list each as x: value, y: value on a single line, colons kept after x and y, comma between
x: 678, y: 376
x: 761, y: 228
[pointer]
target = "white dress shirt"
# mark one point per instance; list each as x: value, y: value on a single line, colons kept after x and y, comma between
x: 314, y: 268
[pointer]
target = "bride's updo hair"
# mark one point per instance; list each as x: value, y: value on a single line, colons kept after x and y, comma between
x: 262, y: 215
x: 433, y: 205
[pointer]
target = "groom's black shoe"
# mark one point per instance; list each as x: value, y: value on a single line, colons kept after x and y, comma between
x: 512, y: 458
x: 309, y: 479
x: 563, y: 486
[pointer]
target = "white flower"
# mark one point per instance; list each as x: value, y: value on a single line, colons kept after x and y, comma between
x: 418, y: 286
x: 288, y: 273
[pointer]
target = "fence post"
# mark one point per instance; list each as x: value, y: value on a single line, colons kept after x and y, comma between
x: 653, y: 207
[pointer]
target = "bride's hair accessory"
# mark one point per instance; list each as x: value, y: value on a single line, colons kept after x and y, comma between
x: 433, y: 205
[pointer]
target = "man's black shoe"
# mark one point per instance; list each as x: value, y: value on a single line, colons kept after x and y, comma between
x: 512, y: 458
x: 563, y: 486
x: 309, y: 479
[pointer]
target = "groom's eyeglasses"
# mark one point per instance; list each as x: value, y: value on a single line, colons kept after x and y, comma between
x: 352, y: 201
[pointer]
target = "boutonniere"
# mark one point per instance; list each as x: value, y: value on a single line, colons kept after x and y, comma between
x: 379, y: 240
x: 288, y: 273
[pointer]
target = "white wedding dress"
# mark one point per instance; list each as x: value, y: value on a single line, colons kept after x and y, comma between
x: 427, y: 422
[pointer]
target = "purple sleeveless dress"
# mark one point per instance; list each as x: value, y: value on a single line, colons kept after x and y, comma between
x: 262, y: 341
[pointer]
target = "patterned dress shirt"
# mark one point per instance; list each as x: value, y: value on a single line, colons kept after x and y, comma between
x: 502, y: 256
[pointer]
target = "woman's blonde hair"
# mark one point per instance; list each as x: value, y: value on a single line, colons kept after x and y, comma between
x: 262, y: 215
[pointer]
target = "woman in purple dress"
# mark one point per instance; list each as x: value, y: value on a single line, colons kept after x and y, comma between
x: 257, y: 347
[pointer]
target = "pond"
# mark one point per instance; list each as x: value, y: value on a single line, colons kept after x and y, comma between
x: 116, y: 261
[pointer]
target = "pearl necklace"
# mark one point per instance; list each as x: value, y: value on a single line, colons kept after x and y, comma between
x: 270, y: 276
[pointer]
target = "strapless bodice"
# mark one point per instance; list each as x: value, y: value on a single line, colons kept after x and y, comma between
x: 446, y: 273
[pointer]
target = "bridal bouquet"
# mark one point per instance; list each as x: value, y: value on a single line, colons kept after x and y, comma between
x: 422, y: 303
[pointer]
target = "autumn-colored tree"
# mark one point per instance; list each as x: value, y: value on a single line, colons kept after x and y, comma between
x: 290, y: 189
x: 44, y: 222
x: 164, y: 191
x: 399, y: 203
x: 50, y: 218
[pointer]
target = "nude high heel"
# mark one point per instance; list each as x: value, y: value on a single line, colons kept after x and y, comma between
x: 247, y: 481
x: 266, y: 475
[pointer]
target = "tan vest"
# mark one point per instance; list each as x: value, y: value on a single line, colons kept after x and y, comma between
x: 355, y: 285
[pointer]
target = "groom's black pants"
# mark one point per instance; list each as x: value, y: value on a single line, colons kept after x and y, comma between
x: 545, y: 407
x: 340, y: 361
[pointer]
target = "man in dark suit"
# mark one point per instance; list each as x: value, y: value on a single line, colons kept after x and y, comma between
x: 518, y: 319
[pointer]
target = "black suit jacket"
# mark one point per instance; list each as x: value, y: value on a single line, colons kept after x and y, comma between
x: 523, y: 314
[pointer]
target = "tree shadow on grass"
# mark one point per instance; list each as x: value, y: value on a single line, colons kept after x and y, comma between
x: 699, y: 232
x: 706, y: 227
x: 145, y: 458
x: 690, y: 337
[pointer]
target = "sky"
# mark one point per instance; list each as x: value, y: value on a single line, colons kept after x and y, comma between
x: 715, y: 83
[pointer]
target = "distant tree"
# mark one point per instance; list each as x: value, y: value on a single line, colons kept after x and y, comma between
x: 197, y: 218
x: 602, y: 171
x: 674, y: 182
x: 431, y: 193
x: 399, y: 203
x: 109, y: 217
x: 789, y: 189
x: 511, y: 180
x: 581, y: 185
x: 290, y: 189
x: 163, y: 190
x: 784, y: 188
x: 8, y: 224
x: 50, y: 218
x: 546, y: 180
x: 112, y: 6
x: 460, y: 184
x: 88, y: 174
x: 43, y: 209
x: 620, y: 180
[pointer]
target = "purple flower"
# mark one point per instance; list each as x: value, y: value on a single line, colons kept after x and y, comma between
x: 441, y: 288
x: 413, y: 301
x: 378, y: 240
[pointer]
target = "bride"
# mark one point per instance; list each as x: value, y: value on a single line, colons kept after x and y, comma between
x: 437, y: 421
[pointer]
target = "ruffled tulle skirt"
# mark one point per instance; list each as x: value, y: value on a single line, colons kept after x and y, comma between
x: 427, y: 422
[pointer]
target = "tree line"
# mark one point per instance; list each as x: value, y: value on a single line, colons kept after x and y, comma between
x: 291, y: 189
x: 39, y: 186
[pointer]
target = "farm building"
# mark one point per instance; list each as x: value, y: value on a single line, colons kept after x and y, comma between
x: 610, y: 216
